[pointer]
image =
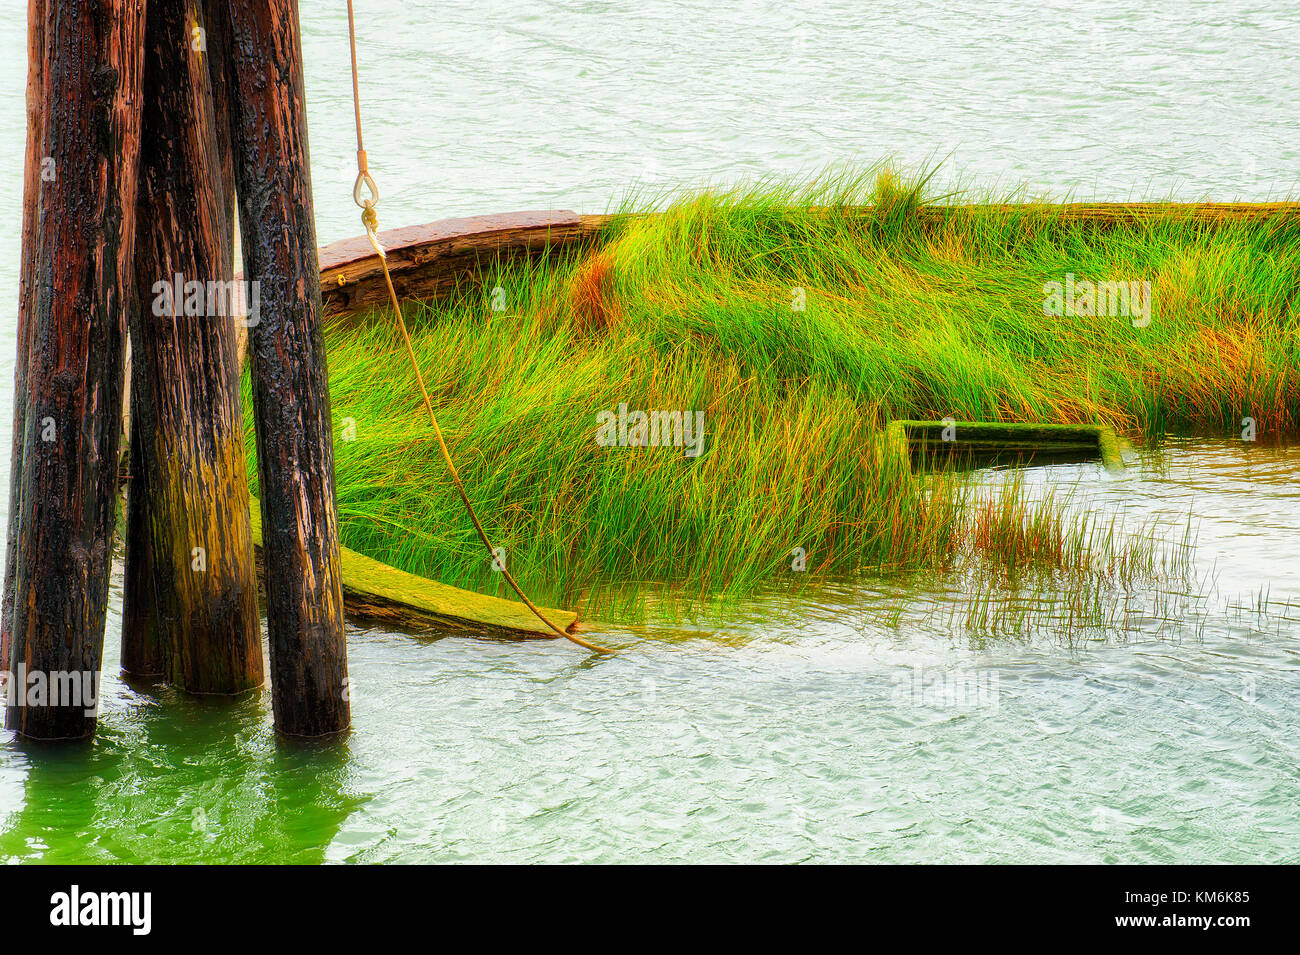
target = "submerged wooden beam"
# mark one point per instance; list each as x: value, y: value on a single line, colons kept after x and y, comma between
x: 377, y: 592
x: 983, y: 443
x: 83, y: 285
x: 190, y: 604
x: 295, y: 453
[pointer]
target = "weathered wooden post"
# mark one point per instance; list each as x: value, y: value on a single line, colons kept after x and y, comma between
x: 287, y: 359
x: 190, y: 610
x: 31, y: 210
x: 82, y: 286
x: 143, y: 655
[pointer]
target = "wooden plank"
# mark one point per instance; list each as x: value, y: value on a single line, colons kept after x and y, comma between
x: 1126, y: 213
x: 377, y: 592
x: 430, y: 260
x: 1003, y: 442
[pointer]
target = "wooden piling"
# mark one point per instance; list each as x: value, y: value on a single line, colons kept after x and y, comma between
x: 144, y: 659
x: 82, y: 286
x: 31, y: 211
x: 287, y: 364
x: 190, y: 609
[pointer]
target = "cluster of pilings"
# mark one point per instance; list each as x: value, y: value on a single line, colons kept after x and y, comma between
x: 145, y: 121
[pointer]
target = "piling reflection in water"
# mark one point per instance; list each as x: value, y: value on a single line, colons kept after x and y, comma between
x: 179, y: 780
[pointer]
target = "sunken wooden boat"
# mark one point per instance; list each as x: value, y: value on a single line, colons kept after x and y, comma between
x: 434, y: 260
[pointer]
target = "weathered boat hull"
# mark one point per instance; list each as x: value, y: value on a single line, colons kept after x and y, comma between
x: 434, y: 260
x: 374, y: 591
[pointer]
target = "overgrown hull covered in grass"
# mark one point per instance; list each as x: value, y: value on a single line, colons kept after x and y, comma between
x: 791, y: 326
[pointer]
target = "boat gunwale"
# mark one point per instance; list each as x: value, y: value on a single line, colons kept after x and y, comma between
x: 432, y: 258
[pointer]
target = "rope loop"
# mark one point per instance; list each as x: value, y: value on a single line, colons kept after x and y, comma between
x: 370, y: 219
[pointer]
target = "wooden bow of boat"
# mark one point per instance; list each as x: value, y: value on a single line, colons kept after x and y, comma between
x: 429, y: 260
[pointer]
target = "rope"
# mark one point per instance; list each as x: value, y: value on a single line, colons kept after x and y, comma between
x: 370, y: 219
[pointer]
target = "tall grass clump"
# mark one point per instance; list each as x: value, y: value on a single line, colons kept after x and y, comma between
x: 799, y: 318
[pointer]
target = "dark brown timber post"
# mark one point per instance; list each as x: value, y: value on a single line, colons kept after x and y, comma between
x: 287, y: 358
x: 31, y: 211
x: 143, y: 656
x: 83, y: 284
x: 195, y: 621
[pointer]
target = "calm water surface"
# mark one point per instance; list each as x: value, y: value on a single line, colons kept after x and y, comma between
x: 868, y: 721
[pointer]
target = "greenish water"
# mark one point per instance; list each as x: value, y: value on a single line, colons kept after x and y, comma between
x: 867, y: 721
x: 864, y: 723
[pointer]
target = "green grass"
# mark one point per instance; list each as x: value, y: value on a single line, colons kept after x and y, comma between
x: 692, y: 310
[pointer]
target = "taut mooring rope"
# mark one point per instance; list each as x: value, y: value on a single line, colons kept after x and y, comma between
x: 370, y: 219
